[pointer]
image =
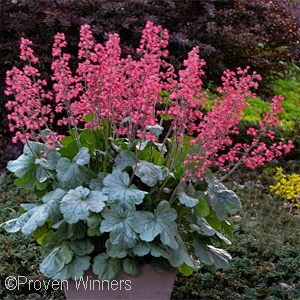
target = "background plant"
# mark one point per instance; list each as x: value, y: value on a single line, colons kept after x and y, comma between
x: 287, y: 186
x: 261, y: 34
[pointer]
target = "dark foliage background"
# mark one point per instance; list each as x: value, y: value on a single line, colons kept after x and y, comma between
x: 230, y: 33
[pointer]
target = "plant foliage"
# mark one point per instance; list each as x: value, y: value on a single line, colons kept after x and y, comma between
x: 113, y: 188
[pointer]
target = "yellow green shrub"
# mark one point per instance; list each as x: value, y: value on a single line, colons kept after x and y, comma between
x: 287, y: 186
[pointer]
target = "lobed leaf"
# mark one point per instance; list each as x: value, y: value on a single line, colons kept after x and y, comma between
x: 120, y: 223
x: 56, y: 260
x: 71, y: 174
x: 75, y: 269
x: 149, y: 173
x: 131, y: 266
x: 161, y: 222
x: 78, y: 203
x: 222, y: 200
x: 117, y: 188
x: 205, y: 229
x: 124, y: 159
x: 210, y: 255
x: 82, y: 247
x: 38, y: 214
x: 187, y: 194
x: 107, y: 268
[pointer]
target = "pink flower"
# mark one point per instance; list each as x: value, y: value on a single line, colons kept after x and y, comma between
x: 124, y: 96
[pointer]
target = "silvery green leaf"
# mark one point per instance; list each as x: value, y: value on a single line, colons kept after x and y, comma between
x: 53, y: 196
x: 83, y: 157
x: 96, y: 184
x: 161, y: 147
x: 78, y: 203
x: 42, y: 162
x: 124, y: 159
x: 56, y: 260
x: 180, y: 255
x: 31, y: 167
x: 23, y: 165
x: 126, y: 119
x: 155, y: 129
x: 37, y: 147
x: 141, y: 248
x: 168, y: 236
x: 117, y: 188
x: 205, y: 229
x: 28, y: 219
x: 12, y: 225
x: 82, y: 247
x: 66, y: 230
x: 93, y: 223
x: 131, y: 266
x: 107, y: 268
x: 186, y: 193
x: 161, y: 222
x: 222, y: 200
x: 71, y: 174
x: 119, y: 222
x: 114, y: 250
x: 52, y: 159
x: 154, y: 248
x: 210, y: 255
x: 161, y: 264
x: 149, y: 173
x: 75, y: 269
x: 28, y: 206
x: 142, y: 145
x: 38, y: 215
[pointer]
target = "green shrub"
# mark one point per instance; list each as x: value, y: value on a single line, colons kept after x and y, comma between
x: 287, y: 186
x: 289, y: 88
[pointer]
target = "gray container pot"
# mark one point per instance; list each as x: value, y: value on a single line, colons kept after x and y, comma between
x: 149, y: 284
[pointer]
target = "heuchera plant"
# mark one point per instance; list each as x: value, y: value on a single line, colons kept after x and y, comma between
x: 127, y: 179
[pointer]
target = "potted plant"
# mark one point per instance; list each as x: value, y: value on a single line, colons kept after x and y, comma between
x: 127, y: 180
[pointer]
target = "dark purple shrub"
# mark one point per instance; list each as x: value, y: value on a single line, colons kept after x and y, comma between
x: 230, y: 33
